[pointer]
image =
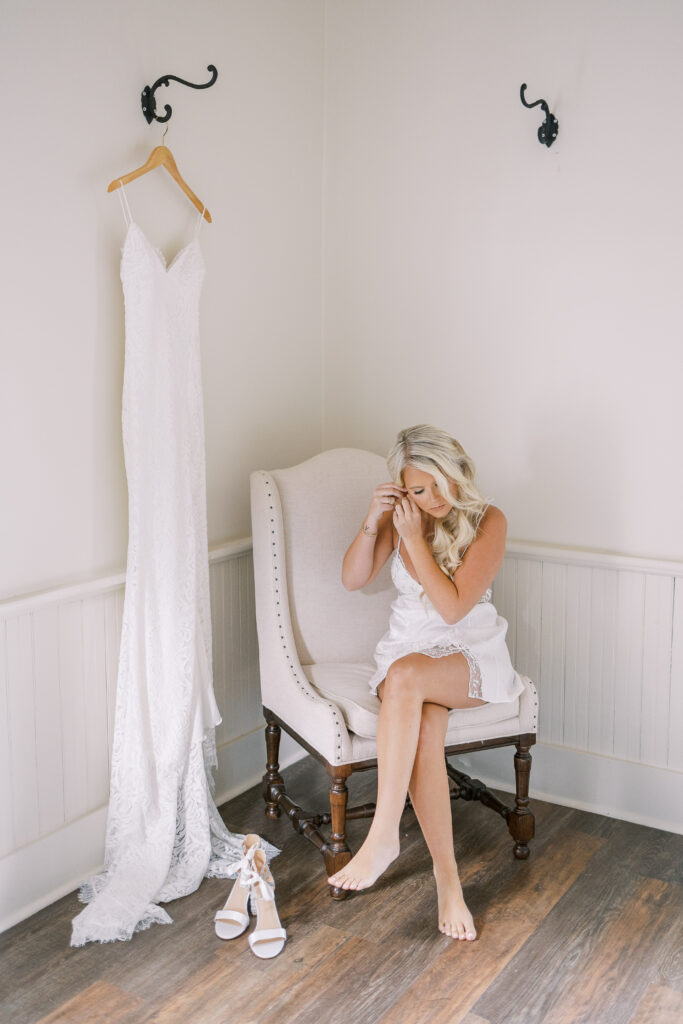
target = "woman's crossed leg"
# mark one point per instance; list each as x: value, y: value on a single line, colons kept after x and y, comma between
x: 416, y: 695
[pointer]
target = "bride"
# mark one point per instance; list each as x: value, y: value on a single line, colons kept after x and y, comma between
x: 445, y: 646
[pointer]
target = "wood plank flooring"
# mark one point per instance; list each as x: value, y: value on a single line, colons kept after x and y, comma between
x: 589, y: 930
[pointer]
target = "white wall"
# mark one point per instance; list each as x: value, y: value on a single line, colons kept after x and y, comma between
x: 71, y: 74
x: 528, y: 300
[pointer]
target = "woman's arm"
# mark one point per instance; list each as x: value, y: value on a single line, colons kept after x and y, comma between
x: 453, y: 599
x: 371, y: 547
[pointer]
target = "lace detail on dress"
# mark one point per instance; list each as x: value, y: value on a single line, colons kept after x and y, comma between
x: 164, y: 833
x: 442, y: 650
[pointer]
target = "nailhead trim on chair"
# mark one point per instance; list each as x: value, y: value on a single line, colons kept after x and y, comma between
x: 302, y: 687
x: 535, y: 702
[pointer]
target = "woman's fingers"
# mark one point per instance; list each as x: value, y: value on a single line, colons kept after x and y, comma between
x: 388, y: 495
x: 384, y: 498
x: 390, y: 490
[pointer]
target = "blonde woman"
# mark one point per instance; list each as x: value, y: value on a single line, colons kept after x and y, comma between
x: 445, y: 646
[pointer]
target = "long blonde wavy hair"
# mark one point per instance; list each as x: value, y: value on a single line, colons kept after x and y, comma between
x: 436, y: 452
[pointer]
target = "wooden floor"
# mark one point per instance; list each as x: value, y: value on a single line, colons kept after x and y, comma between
x: 589, y: 929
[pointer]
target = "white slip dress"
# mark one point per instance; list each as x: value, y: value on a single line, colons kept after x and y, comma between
x: 164, y: 833
x: 415, y: 627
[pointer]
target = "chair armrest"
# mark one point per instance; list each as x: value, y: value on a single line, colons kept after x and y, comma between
x: 528, y: 706
x: 285, y: 690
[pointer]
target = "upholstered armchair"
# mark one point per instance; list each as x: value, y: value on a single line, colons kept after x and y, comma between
x: 316, y: 643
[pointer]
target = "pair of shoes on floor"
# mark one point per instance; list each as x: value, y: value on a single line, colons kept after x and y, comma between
x: 253, y: 880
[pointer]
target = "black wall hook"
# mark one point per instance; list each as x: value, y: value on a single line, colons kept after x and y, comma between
x: 547, y: 133
x: 149, y: 105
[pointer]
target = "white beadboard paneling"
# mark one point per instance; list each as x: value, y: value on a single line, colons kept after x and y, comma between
x: 550, y: 681
x: 252, y: 659
x: 239, y: 719
x: 609, y: 652
x: 42, y: 872
x: 528, y: 618
x: 602, y: 660
x: 591, y: 559
x: 577, y: 663
x: 7, y: 840
x: 218, y: 647
x: 22, y: 719
x: 675, y: 714
x: 243, y: 699
x: 235, y: 652
x: 656, y: 685
x: 629, y: 665
x: 49, y: 753
x: 505, y: 600
x: 95, y: 702
x: 113, y: 615
x: 576, y: 778
x: 74, y: 721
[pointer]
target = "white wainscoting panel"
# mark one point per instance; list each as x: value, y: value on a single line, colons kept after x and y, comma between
x: 676, y: 706
x: 602, y: 637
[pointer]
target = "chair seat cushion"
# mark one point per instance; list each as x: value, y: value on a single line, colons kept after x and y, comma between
x: 347, y: 686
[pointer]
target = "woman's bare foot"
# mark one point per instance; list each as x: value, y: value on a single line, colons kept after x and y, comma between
x: 455, y: 919
x: 363, y: 870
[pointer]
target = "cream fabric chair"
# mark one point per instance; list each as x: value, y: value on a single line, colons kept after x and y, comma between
x: 316, y: 642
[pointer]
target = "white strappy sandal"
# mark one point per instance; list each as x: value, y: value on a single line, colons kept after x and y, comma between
x: 268, y: 937
x: 233, y: 918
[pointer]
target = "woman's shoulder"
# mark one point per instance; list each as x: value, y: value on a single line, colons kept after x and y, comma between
x: 493, y: 519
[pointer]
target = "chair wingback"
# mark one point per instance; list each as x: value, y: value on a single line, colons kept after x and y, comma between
x: 319, y: 507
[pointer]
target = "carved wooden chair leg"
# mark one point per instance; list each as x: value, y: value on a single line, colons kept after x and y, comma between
x: 273, y: 783
x: 337, y: 852
x: 521, y: 819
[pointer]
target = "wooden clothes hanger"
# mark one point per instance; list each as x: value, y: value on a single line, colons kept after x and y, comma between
x: 161, y: 156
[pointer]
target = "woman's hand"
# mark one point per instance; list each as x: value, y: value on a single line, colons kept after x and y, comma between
x: 384, y: 498
x: 408, y: 520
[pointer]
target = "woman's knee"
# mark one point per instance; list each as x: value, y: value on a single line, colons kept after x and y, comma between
x: 402, y: 679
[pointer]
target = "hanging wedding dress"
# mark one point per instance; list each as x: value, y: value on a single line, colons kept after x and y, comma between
x: 164, y: 833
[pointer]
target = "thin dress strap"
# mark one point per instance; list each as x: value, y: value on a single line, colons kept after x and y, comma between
x: 123, y: 198
x: 199, y: 222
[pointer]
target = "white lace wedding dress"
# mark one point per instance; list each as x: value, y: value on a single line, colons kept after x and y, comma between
x: 164, y: 833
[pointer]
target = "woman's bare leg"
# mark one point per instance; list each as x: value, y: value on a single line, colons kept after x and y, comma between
x: 430, y: 796
x: 410, y: 682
